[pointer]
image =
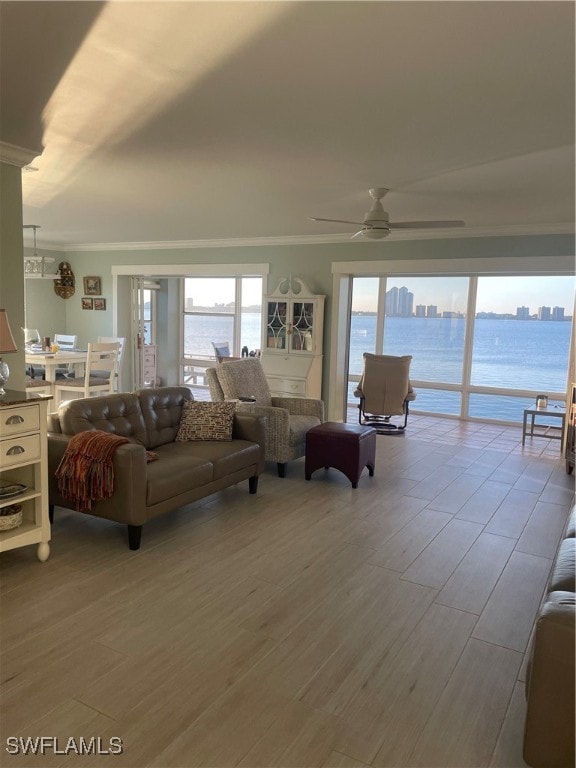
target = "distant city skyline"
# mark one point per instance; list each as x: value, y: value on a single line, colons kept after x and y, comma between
x: 499, y: 295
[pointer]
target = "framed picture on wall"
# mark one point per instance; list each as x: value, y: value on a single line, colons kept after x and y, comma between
x: 87, y: 303
x: 92, y: 286
x: 99, y: 303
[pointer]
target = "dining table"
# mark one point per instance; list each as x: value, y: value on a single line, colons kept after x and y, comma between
x: 53, y: 360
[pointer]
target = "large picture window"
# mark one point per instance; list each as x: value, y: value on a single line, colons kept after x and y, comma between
x: 482, y: 346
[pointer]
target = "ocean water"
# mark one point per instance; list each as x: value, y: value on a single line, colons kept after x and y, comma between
x: 515, y: 354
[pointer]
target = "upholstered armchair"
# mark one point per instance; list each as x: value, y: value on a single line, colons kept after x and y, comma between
x: 287, y: 418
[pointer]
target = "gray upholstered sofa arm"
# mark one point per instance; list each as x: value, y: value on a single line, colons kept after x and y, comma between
x: 301, y: 406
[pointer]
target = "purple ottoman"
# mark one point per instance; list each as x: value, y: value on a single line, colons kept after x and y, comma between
x: 346, y: 447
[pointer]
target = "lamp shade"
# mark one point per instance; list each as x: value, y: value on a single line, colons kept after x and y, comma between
x: 7, y: 343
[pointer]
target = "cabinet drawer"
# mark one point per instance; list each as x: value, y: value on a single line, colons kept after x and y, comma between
x: 288, y: 386
x: 15, y: 421
x: 17, y: 450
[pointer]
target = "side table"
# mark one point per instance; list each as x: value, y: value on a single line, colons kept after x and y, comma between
x: 550, y: 431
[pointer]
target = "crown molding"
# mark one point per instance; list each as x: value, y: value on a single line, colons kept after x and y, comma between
x: 251, y: 242
x: 19, y: 156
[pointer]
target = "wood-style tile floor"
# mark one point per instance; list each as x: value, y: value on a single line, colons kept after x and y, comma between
x: 309, y: 625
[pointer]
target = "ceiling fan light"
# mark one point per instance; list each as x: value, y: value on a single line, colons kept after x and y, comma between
x: 375, y: 234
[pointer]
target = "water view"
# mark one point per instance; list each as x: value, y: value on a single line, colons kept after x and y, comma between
x: 507, y: 353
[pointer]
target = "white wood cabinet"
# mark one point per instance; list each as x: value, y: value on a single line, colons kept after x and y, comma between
x: 149, y: 365
x: 24, y: 461
x: 292, y: 330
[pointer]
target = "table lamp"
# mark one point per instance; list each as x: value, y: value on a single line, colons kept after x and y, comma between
x: 7, y: 344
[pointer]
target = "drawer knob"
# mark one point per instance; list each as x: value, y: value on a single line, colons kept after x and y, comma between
x: 16, y: 419
x: 16, y: 449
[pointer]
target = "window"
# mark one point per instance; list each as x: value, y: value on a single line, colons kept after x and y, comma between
x: 483, y: 346
x: 218, y: 310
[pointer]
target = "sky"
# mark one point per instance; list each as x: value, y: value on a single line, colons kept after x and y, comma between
x: 495, y: 294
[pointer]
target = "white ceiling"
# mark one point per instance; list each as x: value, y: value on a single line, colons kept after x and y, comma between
x: 182, y: 121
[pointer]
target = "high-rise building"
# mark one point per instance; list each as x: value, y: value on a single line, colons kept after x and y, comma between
x: 544, y: 313
x: 431, y: 310
x: 405, y: 302
x: 522, y: 313
x: 558, y: 313
x: 392, y: 302
x: 420, y: 310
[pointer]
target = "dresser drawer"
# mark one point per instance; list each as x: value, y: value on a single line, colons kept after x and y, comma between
x: 296, y: 387
x: 15, y: 421
x: 16, y: 450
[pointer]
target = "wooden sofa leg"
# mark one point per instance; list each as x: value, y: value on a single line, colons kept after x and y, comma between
x: 134, y: 535
x: 281, y: 469
x: 253, y: 484
x: 51, y: 513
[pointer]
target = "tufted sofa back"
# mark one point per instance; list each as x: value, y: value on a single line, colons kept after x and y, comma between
x: 149, y: 417
x: 162, y: 408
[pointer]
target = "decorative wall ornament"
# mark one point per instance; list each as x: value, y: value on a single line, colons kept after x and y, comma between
x: 65, y: 283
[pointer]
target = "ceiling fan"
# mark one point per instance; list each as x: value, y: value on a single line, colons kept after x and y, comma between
x: 376, y: 223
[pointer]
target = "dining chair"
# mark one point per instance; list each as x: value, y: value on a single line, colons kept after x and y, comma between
x: 121, y: 340
x: 66, y: 342
x: 100, y: 357
x: 222, y: 351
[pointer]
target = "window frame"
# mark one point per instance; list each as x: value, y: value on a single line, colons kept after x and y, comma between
x: 345, y: 272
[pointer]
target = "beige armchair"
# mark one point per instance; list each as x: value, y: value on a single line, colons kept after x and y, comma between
x: 287, y: 418
x: 384, y: 391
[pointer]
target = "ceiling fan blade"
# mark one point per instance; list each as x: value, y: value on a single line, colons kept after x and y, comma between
x: 338, y: 221
x: 426, y: 224
x: 358, y: 235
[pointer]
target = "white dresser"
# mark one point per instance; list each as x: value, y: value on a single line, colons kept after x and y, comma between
x: 24, y: 462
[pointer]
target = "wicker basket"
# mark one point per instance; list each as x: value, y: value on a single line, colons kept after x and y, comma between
x: 10, y: 517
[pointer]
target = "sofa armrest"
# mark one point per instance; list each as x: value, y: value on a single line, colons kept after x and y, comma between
x: 549, y: 726
x: 301, y: 406
x: 128, y: 502
x: 248, y: 426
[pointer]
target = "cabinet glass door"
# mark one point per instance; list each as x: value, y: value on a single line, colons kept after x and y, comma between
x: 302, y: 336
x: 277, y: 324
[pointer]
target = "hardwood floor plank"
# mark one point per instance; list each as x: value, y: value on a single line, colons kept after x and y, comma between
x: 381, y: 723
x: 483, y: 504
x: 513, y: 514
x: 472, y: 582
x: 437, y: 562
x: 464, y: 727
x: 543, y: 530
x: 508, y: 750
x: 404, y: 547
x: 508, y: 616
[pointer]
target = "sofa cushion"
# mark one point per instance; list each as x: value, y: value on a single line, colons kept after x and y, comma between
x: 228, y: 457
x: 119, y: 414
x: 206, y: 421
x: 175, y: 472
x: 162, y: 408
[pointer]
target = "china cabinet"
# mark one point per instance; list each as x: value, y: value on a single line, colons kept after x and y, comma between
x: 292, y: 328
x: 149, y: 366
x: 24, y: 470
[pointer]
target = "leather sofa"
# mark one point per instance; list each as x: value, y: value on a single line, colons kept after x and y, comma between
x: 549, y: 724
x: 183, y: 471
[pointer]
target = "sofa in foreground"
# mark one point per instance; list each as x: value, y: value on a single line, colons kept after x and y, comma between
x: 549, y: 725
x: 181, y: 470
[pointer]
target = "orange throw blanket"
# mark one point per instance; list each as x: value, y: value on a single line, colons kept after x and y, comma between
x: 86, y: 473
